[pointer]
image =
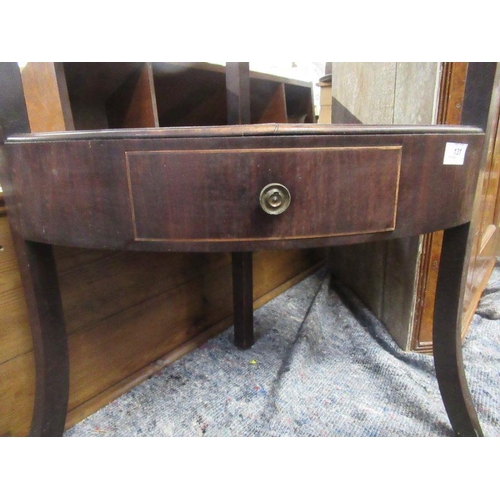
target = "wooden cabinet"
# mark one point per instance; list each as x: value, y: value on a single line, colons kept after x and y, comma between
x: 113, y: 301
x: 397, y: 280
x: 469, y: 95
x: 383, y: 273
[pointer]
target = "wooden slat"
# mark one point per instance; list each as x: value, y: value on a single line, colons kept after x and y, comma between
x: 15, y: 334
x: 268, y: 104
x: 238, y: 93
x: 426, y: 292
x: 299, y: 104
x: 402, y: 257
x: 101, y: 288
x: 46, y: 95
x: 366, y: 90
x: 91, y: 84
x: 17, y: 391
x: 133, y: 104
x: 359, y: 265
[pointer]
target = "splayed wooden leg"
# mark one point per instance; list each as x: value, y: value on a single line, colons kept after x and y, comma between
x: 447, y: 342
x: 38, y: 270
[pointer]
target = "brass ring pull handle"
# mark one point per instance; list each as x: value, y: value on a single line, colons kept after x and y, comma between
x: 275, y: 199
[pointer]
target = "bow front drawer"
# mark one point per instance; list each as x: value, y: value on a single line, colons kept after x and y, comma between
x: 254, y: 194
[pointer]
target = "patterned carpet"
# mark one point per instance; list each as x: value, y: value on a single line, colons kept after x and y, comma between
x: 318, y: 368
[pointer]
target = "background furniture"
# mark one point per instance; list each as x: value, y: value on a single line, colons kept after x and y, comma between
x: 111, y: 298
x: 397, y: 280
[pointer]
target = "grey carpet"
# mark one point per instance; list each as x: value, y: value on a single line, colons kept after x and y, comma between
x: 318, y: 368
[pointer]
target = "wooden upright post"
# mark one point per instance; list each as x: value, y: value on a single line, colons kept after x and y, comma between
x: 238, y: 113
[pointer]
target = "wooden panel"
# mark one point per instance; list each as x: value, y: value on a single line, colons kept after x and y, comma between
x: 362, y: 268
x: 171, y: 318
x: 299, y: 104
x: 105, y: 328
x: 180, y: 195
x: 17, y: 391
x: 402, y: 257
x: 421, y: 337
x: 117, y: 281
x: 190, y: 94
x: 415, y: 97
x: 383, y: 274
x: 491, y: 210
x: 15, y: 334
x: 133, y: 104
x: 46, y: 97
x: 365, y: 91
x: 268, y: 104
x: 92, y: 85
x: 485, y: 81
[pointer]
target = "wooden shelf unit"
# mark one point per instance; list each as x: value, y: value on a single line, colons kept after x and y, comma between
x: 128, y: 95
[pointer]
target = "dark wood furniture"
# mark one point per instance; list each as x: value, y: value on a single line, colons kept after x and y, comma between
x: 198, y: 190
x: 110, y: 298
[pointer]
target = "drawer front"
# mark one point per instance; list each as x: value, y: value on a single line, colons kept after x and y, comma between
x: 215, y: 195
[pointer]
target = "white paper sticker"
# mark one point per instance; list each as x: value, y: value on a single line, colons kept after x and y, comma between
x: 454, y: 153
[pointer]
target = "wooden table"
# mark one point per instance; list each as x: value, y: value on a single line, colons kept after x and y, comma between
x: 238, y: 189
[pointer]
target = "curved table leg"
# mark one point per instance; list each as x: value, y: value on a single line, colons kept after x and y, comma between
x: 447, y: 342
x: 38, y: 270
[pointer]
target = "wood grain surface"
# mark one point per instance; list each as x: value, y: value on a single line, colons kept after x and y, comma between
x: 102, y: 289
x: 98, y: 211
x: 390, y: 93
x: 181, y: 195
x: 85, y: 173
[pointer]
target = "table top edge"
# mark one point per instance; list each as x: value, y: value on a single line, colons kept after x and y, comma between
x: 270, y: 129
